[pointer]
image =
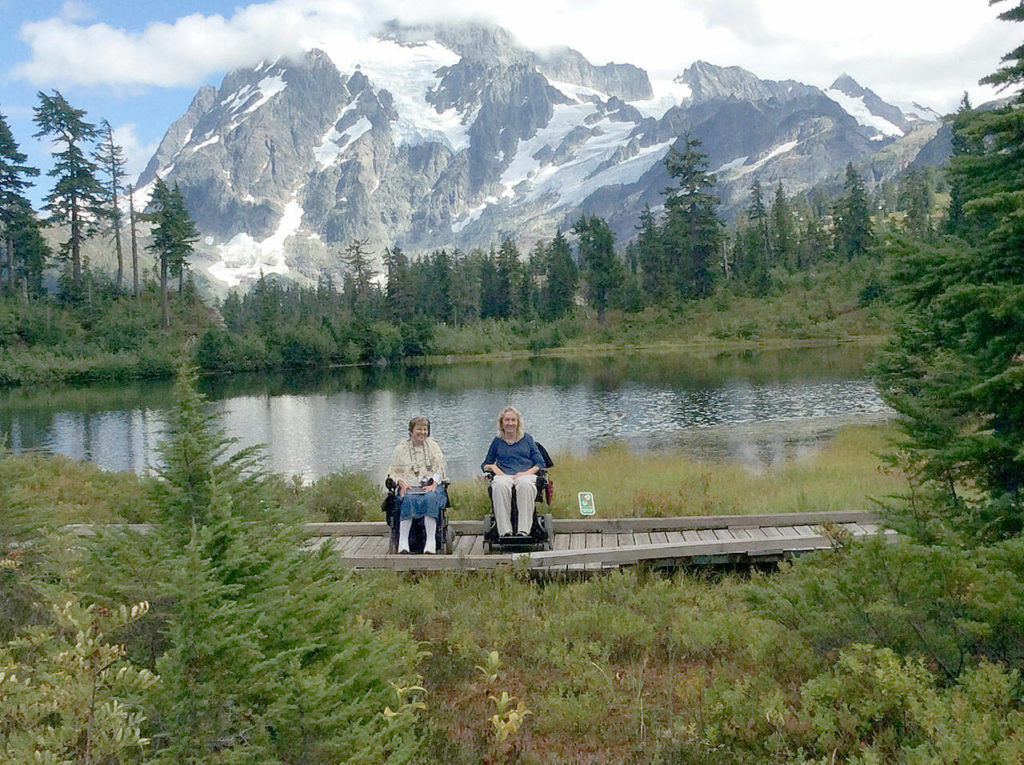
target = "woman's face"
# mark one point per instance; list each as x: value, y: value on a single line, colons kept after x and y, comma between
x: 509, y: 423
x: 419, y: 433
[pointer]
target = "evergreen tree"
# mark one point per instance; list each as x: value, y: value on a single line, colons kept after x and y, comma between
x: 561, y: 279
x: 441, y: 287
x: 76, y: 198
x: 783, y: 228
x: 916, y: 200
x: 174, y: 233
x: 265, y: 657
x: 359, y: 278
x: 134, y: 240
x: 399, y: 300
x: 109, y: 157
x: 507, y: 267
x: 602, y: 271
x: 492, y: 290
x: 955, y: 370
x: 15, y: 209
x: 658, y: 280
x: 28, y: 254
x: 465, y: 297
x: 757, y: 216
x: 853, y: 217
x: 692, y: 231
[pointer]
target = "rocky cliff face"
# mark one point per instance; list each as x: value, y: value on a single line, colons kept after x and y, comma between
x: 457, y: 137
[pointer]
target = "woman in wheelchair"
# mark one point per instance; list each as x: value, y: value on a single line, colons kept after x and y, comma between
x: 514, y: 460
x: 419, y: 471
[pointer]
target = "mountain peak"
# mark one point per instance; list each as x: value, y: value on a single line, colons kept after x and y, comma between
x: 846, y: 84
x: 708, y: 81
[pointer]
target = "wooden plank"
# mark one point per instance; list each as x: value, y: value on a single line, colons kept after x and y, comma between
x: 723, y: 534
x: 478, y: 547
x: 673, y: 536
x: 691, y: 535
x: 624, y: 538
x: 804, y: 530
x: 683, y: 550
x: 679, y: 523
x: 659, y: 537
x: 771, y: 532
x: 642, y: 538
x: 706, y: 535
x: 349, y: 529
x: 755, y: 533
x: 562, y: 541
x: 569, y: 525
x: 463, y: 544
x: 353, y: 543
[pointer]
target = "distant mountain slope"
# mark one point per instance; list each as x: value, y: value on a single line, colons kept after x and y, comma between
x: 457, y: 136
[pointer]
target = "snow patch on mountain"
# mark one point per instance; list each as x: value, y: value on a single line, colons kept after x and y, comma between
x: 526, y: 166
x: 407, y: 72
x: 857, y: 109
x: 577, y: 93
x: 208, y: 142
x: 473, y: 215
x: 917, y: 113
x: 243, y: 259
x: 730, y: 165
x: 667, y: 94
x: 333, y: 144
x: 267, y: 88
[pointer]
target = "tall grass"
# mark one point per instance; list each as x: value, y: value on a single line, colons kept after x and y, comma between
x: 844, y: 475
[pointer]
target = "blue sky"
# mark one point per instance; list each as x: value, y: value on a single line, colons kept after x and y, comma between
x: 137, y: 63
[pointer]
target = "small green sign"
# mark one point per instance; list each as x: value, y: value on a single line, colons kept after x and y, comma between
x: 586, y: 503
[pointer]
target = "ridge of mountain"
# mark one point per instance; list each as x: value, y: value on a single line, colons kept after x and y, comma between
x: 457, y: 136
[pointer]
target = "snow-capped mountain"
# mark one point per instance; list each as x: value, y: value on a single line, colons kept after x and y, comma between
x: 457, y: 137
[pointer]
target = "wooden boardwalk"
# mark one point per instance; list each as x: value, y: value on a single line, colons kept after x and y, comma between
x: 595, y: 545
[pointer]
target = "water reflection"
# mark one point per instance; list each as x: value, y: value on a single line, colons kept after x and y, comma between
x: 759, y: 407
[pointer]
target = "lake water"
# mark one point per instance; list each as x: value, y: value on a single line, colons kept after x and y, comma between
x: 756, y: 407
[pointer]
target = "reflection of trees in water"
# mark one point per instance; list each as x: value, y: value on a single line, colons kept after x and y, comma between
x: 601, y: 372
x: 351, y: 417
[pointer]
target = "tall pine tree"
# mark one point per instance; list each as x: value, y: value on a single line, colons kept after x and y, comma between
x: 955, y: 369
x: 174, y: 233
x: 76, y: 198
x: 16, y: 218
x: 692, y: 232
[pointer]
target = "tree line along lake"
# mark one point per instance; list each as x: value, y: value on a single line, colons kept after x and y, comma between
x: 758, y: 407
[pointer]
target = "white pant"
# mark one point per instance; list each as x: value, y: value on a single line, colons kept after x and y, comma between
x: 501, y: 498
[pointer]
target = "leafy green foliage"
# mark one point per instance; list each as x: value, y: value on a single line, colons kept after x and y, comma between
x: 66, y: 694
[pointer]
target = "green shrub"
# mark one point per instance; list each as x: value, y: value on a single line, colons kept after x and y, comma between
x: 342, y: 497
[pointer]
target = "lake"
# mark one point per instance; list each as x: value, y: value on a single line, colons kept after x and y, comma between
x: 759, y: 407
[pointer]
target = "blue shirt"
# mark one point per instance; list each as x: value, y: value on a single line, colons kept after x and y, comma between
x: 514, y: 458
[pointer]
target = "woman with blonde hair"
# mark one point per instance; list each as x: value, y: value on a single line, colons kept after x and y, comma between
x: 418, y: 469
x: 514, y: 460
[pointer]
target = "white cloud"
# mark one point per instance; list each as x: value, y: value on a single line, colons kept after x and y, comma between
x: 905, y: 50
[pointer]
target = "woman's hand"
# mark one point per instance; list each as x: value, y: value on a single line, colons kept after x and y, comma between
x: 403, y: 487
x: 494, y: 469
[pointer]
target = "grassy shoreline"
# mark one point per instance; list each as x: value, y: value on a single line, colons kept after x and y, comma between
x: 844, y: 474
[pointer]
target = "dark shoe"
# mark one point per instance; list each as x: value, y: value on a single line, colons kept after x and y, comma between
x: 522, y: 533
